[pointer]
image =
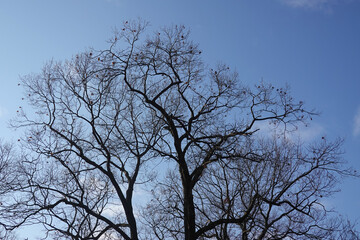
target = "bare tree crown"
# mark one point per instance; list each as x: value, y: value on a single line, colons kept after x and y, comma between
x: 148, y: 112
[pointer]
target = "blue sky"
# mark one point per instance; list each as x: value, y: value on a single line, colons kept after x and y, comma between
x: 312, y: 45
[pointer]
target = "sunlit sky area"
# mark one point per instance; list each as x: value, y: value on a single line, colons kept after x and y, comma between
x: 311, y: 45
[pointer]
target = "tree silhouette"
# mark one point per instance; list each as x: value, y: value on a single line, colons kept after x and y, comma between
x: 147, y: 112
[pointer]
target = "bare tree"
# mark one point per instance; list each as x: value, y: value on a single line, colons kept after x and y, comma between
x: 107, y: 120
x: 86, y: 144
x: 347, y: 231
x: 6, y: 179
x: 276, y: 192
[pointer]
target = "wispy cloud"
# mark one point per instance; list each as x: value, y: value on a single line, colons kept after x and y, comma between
x: 314, y: 4
x: 303, y: 133
x: 356, y: 129
x: 310, y: 133
x: 117, y: 2
x: 3, y: 111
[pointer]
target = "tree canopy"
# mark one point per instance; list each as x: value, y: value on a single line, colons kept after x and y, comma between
x: 143, y: 141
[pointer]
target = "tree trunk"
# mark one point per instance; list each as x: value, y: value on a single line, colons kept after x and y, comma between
x: 189, y: 215
x: 131, y: 221
x: 189, y: 209
x: 244, y: 232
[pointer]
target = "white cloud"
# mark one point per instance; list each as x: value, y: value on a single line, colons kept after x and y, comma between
x: 356, y: 129
x: 114, y: 209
